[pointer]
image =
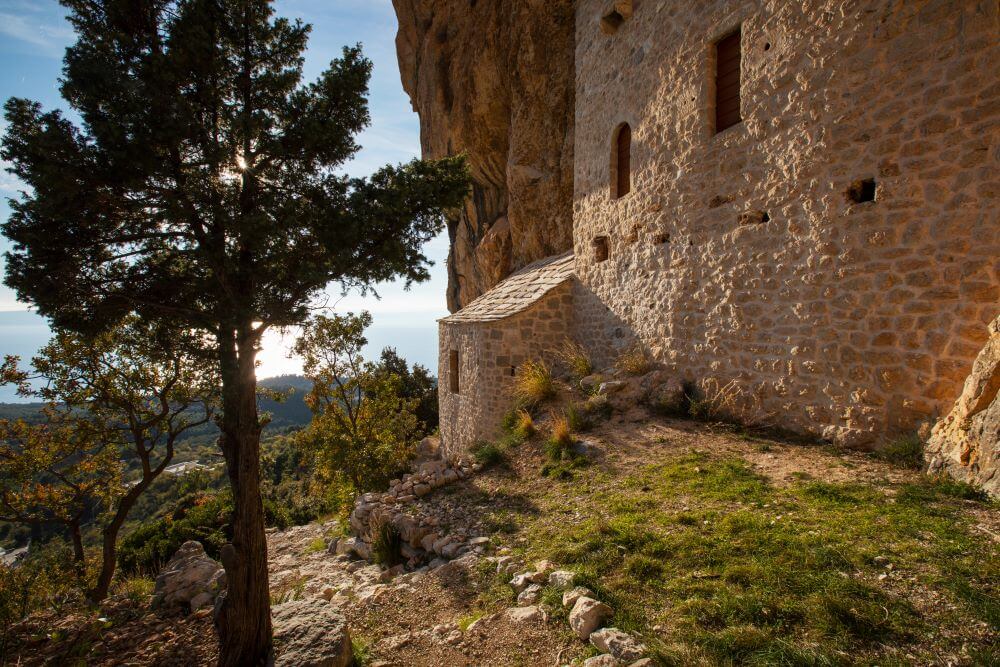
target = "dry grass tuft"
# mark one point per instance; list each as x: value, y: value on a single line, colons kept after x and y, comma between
x: 533, y: 383
x: 727, y: 402
x: 575, y: 358
x: 634, y: 361
x: 524, y: 425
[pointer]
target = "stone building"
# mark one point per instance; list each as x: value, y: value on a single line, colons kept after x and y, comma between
x: 798, y: 197
x: 526, y: 316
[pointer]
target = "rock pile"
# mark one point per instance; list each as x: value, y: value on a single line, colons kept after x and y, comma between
x: 587, y: 614
x: 420, y: 529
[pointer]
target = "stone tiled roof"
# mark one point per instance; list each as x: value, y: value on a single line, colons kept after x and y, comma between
x: 518, y: 290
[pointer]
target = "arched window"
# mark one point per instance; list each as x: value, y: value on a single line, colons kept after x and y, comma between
x: 621, y: 162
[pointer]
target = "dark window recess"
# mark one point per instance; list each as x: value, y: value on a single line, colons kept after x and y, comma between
x: 600, y: 248
x: 727, y: 82
x: 622, y: 172
x: 513, y: 371
x: 861, y: 191
x: 453, y: 371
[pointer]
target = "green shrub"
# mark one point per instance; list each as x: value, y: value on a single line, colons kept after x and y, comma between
x: 487, y: 453
x: 905, y: 452
x: 136, y: 589
x: 578, y: 418
x: 386, y: 543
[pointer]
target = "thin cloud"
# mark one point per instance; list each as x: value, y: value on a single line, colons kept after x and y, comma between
x: 37, y: 29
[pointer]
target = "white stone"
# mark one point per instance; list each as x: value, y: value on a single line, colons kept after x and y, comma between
x: 620, y: 644
x: 531, y: 614
x: 561, y: 579
x: 588, y: 615
x: 571, y: 596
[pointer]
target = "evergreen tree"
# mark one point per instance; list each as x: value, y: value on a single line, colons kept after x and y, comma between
x: 201, y: 189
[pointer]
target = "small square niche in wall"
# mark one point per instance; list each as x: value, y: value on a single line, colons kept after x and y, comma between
x: 861, y: 191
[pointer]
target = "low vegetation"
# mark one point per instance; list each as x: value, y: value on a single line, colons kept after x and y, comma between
x: 533, y: 383
x: 634, y: 361
x: 576, y: 360
x: 906, y: 451
x: 731, y: 569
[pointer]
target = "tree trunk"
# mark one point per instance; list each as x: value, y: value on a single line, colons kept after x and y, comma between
x: 244, y: 618
x: 109, y: 549
x: 79, y: 558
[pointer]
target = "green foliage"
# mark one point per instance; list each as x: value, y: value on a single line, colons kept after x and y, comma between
x: 204, y: 517
x: 487, y: 453
x: 363, y: 430
x: 416, y: 383
x: 578, y: 418
x: 138, y: 590
x: 386, y: 543
x: 906, y: 452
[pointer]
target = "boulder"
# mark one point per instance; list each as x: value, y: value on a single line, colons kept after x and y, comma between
x: 310, y: 633
x: 602, y: 661
x: 531, y: 614
x: 561, y: 579
x: 522, y: 581
x: 588, y: 615
x: 571, y: 596
x: 966, y: 443
x: 620, y: 644
x: 529, y: 595
x: 190, y: 579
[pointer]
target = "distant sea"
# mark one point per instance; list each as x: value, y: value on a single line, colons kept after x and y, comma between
x: 23, y: 334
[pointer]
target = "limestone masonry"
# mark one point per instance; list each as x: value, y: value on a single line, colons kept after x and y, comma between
x: 834, y: 251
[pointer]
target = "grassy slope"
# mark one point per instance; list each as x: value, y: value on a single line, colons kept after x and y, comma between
x: 715, y: 563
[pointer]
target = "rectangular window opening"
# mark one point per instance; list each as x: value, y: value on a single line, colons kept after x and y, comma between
x: 728, y: 58
x: 600, y: 248
x: 453, y: 371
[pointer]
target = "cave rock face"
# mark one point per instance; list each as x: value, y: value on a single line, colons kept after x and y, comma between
x: 495, y: 80
x: 966, y: 443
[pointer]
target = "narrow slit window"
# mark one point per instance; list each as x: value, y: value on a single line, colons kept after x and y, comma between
x: 621, y: 162
x: 727, y: 81
x: 601, y: 248
x: 453, y: 371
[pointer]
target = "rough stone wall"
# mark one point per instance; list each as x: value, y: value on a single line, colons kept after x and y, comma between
x: 966, y: 443
x: 494, y: 79
x: 488, y: 354
x: 848, y: 320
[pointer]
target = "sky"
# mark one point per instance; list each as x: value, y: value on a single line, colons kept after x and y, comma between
x: 33, y: 37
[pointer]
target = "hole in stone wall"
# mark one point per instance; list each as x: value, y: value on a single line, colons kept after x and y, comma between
x: 600, y: 248
x: 767, y: 46
x: 453, y: 371
x: 862, y: 190
x: 661, y: 238
x: 611, y: 21
x: 513, y: 371
x: 754, y: 217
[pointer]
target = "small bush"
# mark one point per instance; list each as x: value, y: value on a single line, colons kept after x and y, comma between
x: 524, y: 426
x: 577, y: 418
x: 316, y: 546
x: 136, y: 589
x: 576, y: 360
x: 533, y: 383
x: 634, y: 361
x: 560, y: 444
x: 905, y: 452
x: 386, y: 543
x: 487, y: 453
